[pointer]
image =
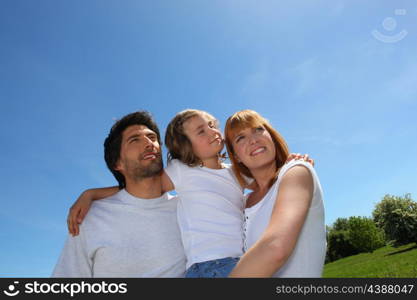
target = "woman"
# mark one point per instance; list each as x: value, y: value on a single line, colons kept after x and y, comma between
x: 284, y: 216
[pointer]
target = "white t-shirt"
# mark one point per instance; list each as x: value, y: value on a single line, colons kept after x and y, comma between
x: 210, y: 211
x: 307, y: 259
x: 125, y: 236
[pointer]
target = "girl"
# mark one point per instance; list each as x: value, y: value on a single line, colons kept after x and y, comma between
x: 210, y: 207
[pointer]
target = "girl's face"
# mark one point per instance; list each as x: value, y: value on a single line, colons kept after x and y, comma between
x: 206, y: 139
x: 254, y: 147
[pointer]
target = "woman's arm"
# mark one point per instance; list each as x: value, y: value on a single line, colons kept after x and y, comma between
x: 277, y: 242
x: 80, y: 208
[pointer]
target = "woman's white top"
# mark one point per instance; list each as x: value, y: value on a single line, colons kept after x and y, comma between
x: 307, y: 259
x: 210, y: 211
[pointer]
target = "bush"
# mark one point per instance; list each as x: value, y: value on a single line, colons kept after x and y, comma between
x: 352, y: 236
x: 364, y: 235
x: 339, y: 245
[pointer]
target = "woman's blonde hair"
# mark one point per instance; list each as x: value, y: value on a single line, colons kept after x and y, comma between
x: 178, y: 144
x: 251, y: 119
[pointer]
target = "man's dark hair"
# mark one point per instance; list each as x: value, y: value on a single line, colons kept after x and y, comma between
x: 113, y: 142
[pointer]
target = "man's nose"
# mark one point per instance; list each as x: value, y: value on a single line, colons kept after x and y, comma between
x: 148, y: 143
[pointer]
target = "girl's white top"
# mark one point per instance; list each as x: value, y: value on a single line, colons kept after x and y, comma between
x: 307, y: 259
x: 210, y: 211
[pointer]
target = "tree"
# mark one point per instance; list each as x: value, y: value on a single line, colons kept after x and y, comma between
x: 364, y: 234
x: 341, y: 224
x: 352, y: 236
x: 397, y: 216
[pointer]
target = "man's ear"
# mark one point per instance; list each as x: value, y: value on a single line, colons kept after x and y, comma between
x: 118, y: 166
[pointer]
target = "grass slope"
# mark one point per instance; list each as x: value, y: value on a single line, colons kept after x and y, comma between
x: 383, y: 262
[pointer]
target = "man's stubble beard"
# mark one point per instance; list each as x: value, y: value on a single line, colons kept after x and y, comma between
x: 137, y: 172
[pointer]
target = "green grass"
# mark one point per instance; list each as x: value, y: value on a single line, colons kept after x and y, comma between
x: 383, y: 262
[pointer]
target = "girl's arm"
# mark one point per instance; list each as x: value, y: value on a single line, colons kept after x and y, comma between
x: 278, y: 240
x: 298, y: 156
x: 80, y: 208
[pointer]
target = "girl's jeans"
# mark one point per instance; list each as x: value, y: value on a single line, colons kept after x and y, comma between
x: 216, y: 268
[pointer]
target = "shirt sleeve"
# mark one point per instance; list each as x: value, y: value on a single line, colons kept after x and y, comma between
x: 173, y: 170
x: 74, y: 260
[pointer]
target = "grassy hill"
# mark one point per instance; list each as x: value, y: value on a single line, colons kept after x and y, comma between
x: 383, y: 262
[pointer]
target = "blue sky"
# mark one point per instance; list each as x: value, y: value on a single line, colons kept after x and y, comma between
x: 68, y: 69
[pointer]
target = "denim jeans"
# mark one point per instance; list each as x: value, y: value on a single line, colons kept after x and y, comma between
x: 216, y: 268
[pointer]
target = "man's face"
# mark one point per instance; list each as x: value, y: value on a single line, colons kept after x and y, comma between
x: 140, y: 153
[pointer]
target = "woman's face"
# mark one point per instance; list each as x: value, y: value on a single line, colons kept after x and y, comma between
x: 254, y: 147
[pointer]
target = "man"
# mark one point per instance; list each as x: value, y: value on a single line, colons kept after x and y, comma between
x: 133, y: 233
